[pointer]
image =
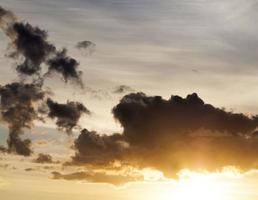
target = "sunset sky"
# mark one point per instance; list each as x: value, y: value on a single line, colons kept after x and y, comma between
x: 149, y: 100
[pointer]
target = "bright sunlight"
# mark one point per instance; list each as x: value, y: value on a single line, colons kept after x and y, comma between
x: 202, y: 186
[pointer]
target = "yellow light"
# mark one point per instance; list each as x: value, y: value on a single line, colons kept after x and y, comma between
x: 199, y: 186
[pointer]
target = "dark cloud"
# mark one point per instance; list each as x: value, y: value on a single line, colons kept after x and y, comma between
x: 170, y: 135
x: 98, y: 177
x: 141, y: 115
x: 44, y: 158
x: 18, y: 110
x: 98, y: 150
x: 66, y: 66
x: 22, y: 103
x: 18, y: 145
x: 87, y: 47
x: 31, y: 42
x: 29, y: 169
x: 121, y: 89
x: 85, y: 44
x: 66, y: 115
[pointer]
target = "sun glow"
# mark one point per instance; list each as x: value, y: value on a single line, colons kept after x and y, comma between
x: 201, y: 186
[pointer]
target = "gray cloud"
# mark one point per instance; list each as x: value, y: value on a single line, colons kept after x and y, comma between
x: 67, y: 115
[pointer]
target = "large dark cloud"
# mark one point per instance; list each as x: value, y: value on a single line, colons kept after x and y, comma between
x: 66, y: 115
x: 170, y: 135
x: 143, y: 116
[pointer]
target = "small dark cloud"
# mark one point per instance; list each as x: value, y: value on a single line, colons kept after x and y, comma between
x: 66, y: 115
x: 49, y: 167
x: 195, y: 71
x: 85, y: 44
x: 98, y: 177
x: 44, y: 158
x: 87, y: 47
x: 29, y: 169
x: 122, y: 89
x: 66, y: 66
x: 31, y: 42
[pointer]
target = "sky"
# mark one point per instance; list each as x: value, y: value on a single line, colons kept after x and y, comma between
x: 204, y: 51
